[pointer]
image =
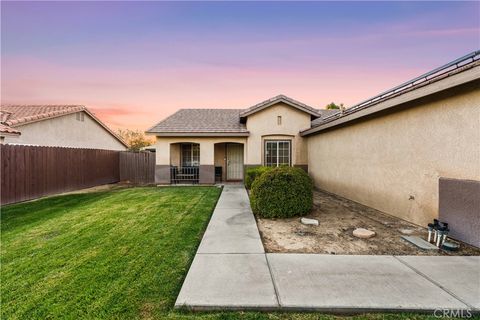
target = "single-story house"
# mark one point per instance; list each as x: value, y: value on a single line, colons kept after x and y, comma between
x: 223, y: 142
x: 387, y: 152
x: 56, y: 125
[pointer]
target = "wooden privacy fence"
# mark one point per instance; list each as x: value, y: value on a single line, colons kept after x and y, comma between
x: 29, y: 172
x: 137, y: 167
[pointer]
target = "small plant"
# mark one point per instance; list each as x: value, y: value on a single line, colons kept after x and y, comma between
x: 254, y: 173
x: 334, y: 106
x: 282, y: 192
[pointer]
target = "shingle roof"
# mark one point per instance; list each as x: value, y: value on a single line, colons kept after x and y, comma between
x: 18, y: 115
x: 280, y: 98
x: 220, y: 121
x: 324, y: 113
x: 202, y: 121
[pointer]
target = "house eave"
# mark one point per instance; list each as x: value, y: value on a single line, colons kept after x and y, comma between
x: 245, y: 114
x: 10, y: 134
x: 436, y: 85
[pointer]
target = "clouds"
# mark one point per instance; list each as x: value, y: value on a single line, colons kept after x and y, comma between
x: 156, y: 57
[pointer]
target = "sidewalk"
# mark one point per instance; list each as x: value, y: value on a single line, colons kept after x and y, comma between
x: 232, y: 271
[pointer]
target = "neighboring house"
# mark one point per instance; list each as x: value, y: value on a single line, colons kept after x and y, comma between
x: 209, y: 144
x: 56, y: 125
x: 387, y: 152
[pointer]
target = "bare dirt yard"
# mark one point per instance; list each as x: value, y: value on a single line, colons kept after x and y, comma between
x: 338, y: 217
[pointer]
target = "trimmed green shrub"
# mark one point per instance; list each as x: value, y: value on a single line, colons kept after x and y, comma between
x: 254, y: 173
x: 282, y: 192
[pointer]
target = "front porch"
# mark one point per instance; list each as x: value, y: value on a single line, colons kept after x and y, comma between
x: 202, y: 163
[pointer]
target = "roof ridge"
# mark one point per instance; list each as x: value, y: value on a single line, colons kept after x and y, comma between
x: 210, y: 109
x: 266, y: 103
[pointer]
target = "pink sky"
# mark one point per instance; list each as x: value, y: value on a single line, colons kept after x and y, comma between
x: 132, y: 73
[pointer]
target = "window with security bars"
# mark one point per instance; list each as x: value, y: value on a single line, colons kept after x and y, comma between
x: 190, y: 155
x: 277, y: 153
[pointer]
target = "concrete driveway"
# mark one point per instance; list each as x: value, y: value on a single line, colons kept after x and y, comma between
x: 232, y: 271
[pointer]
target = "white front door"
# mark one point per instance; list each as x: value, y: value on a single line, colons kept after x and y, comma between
x: 234, y: 161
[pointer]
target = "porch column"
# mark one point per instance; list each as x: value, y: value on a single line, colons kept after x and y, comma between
x: 207, y: 163
x: 162, y: 162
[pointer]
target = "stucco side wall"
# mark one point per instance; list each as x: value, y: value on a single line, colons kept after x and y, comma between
x: 263, y: 125
x: 393, y: 162
x: 66, y: 131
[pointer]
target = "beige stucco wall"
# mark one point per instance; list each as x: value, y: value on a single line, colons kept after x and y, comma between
x: 384, y: 161
x: 263, y: 125
x: 175, y: 154
x: 66, y: 131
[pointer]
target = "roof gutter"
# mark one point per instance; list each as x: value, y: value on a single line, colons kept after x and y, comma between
x: 446, y: 80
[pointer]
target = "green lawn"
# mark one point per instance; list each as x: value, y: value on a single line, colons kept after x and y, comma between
x: 118, y: 254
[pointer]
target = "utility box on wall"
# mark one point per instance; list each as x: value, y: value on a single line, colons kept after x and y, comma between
x: 459, y: 205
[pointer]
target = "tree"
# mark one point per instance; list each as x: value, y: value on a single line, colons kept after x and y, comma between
x: 134, y: 139
x: 332, y: 106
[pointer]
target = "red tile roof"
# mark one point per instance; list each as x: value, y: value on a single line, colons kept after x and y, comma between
x: 8, y: 130
x: 22, y: 114
x: 18, y: 115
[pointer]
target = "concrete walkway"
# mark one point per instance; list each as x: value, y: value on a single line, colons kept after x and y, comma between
x: 232, y: 271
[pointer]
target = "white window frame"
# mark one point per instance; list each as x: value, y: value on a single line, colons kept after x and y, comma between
x: 194, y: 158
x: 277, y: 143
